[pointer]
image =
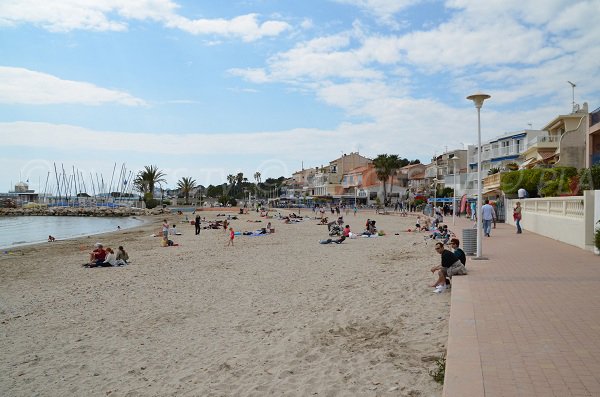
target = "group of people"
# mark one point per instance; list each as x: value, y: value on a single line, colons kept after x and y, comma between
x: 106, y: 257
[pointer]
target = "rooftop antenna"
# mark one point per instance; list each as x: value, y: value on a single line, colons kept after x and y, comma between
x: 573, y: 85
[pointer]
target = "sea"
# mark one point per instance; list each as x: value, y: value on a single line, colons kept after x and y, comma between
x: 17, y: 231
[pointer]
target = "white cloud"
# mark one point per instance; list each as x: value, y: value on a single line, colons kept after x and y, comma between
x: 245, y: 26
x: 114, y: 15
x: 23, y: 86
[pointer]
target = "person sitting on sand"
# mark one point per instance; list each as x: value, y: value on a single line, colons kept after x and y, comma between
x: 268, y: 228
x: 336, y: 241
x: 51, y: 239
x: 122, y: 255
x: 111, y: 259
x: 346, y: 232
x: 97, y: 256
x: 450, y: 266
x: 426, y: 224
x: 174, y: 231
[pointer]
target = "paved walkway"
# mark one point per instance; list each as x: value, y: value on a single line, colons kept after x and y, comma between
x: 525, y: 322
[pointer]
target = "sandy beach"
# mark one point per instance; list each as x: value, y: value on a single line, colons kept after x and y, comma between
x: 278, y: 314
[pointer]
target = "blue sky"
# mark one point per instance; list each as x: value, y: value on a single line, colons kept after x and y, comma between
x: 206, y: 89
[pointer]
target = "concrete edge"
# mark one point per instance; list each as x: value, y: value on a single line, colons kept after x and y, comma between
x: 464, y: 375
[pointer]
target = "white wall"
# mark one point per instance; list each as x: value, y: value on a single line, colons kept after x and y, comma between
x: 566, y: 219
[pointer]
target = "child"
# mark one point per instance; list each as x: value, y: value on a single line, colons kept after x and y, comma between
x: 122, y: 254
x: 231, y: 237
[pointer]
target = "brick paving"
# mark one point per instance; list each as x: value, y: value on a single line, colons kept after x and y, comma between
x: 526, y: 321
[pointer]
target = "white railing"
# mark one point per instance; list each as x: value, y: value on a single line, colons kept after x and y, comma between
x: 569, y: 207
x: 567, y: 219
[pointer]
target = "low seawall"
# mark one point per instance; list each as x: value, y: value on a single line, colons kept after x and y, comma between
x: 71, y: 211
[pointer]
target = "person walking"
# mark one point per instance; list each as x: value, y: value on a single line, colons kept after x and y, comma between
x: 517, y: 216
x: 197, y: 224
x: 231, y: 237
x: 488, y: 215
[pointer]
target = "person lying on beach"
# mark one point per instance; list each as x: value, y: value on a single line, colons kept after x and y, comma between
x: 450, y: 266
x: 122, y: 255
x: 97, y: 256
x: 323, y: 221
x: 111, y: 259
x: 336, y: 241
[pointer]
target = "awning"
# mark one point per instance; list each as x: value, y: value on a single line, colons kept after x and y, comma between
x: 525, y: 163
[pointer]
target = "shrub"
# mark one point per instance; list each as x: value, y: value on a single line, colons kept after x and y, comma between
x: 440, y: 371
x: 151, y: 203
x: 590, y: 177
x: 539, y: 181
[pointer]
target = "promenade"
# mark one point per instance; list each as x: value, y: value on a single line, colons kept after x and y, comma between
x: 526, y: 321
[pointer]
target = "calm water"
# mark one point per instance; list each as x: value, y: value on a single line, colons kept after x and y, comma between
x: 21, y: 230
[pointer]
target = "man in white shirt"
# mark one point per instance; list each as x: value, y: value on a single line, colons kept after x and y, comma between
x: 488, y: 214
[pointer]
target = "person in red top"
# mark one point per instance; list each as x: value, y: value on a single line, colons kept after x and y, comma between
x: 98, y: 255
x: 346, y: 232
x: 231, y: 237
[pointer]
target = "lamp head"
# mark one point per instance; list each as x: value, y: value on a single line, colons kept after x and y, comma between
x: 478, y: 99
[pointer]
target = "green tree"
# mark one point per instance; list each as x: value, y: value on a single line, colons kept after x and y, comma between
x: 186, y: 184
x: 385, y: 166
x: 147, y: 178
x: 589, y: 178
x: 539, y: 181
x: 239, y: 178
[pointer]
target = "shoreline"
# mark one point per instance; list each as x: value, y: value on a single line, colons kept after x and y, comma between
x: 82, y: 236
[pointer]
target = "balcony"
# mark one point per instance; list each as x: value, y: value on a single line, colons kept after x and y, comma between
x: 550, y: 141
x: 491, y: 182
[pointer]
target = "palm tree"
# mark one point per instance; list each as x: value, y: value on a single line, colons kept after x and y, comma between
x: 239, y: 178
x: 257, y: 179
x: 186, y: 184
x: 385, y: 166
x: 146, y: 179
x: 395, y: 164
x: 231, y: 180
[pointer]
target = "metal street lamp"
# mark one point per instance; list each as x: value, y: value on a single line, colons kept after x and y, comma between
x: 478, y: 99
x: 435, y: 181
x: 454, y: 161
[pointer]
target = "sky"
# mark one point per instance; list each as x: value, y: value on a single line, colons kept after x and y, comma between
x: 204, y: 89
